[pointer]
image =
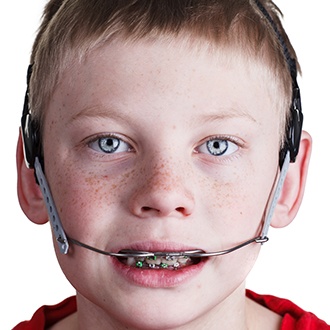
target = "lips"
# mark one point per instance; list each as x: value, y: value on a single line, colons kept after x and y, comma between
x: 168, y: 268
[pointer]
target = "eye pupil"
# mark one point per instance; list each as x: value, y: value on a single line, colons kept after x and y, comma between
x: 109, y: 145
x: 217, y: 147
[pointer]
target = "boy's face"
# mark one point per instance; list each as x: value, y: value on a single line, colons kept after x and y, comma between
x: 158, y: 147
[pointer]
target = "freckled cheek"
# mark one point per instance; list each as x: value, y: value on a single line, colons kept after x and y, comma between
x: 86, y: 197
x: 234, y: 204
x: 222, y: 204
x: 222, y: 194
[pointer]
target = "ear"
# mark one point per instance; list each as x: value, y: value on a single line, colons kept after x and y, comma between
x: 294, y: 185
x: 29, y: 194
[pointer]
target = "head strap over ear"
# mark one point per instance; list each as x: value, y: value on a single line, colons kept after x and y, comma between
x: 30, y: 130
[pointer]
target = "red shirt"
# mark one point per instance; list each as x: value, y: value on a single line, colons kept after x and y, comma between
x: 294, y: 318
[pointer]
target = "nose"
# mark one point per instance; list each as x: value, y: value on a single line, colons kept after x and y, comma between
x: 162, y: 192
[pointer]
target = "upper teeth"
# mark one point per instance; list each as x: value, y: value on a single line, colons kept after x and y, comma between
x: 158, y: 262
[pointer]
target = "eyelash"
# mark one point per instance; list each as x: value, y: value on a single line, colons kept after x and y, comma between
x: 95, y: 144
x: 203, y: 148
x: 231, y: 142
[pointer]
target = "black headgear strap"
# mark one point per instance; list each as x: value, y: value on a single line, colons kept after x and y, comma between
x: 30, y: 128
x: 294, y: 126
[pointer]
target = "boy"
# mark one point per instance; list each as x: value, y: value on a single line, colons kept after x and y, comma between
x: 158, y: 137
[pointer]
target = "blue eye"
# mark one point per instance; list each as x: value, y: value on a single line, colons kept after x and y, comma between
x: 109, y: 145
x: 218, y: 147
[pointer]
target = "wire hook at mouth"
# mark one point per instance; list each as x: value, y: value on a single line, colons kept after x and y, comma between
x: 126, y: 253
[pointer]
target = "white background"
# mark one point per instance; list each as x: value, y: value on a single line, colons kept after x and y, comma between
x: 295, y: 262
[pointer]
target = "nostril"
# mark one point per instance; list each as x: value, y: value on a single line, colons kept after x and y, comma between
x: 181, y: 210
x: 163, y: 211
x: 146, y: 208
x: 154, y: 202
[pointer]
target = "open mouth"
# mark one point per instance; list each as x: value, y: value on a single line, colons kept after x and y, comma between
x: 170, y: 261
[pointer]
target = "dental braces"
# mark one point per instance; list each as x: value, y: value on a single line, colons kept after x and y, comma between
x: 160, y: 262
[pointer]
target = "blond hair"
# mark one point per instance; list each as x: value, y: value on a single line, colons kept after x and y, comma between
x: 71, y: 29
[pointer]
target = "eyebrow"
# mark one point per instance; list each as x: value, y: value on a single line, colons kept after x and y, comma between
x: 224, y: 114
x: 115, y: 114
x: 98, y: 112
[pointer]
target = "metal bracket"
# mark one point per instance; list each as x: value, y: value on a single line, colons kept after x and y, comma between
x: 54, y: 218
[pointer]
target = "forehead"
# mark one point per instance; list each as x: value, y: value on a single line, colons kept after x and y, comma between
x: 140, y: 77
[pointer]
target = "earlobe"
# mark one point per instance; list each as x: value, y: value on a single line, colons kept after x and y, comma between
x: 29, y: 194
x: 294, y: 185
